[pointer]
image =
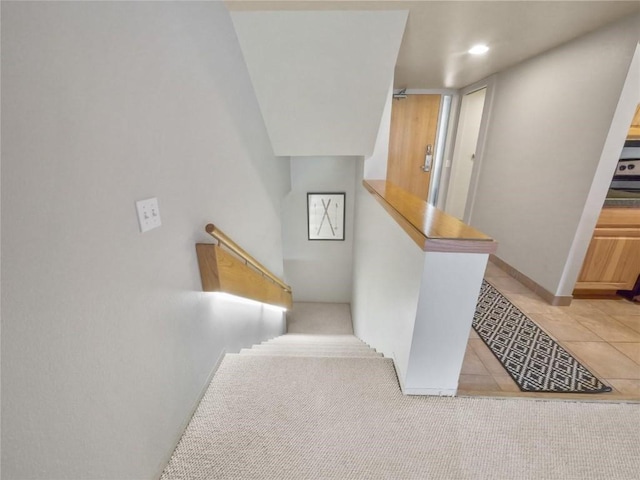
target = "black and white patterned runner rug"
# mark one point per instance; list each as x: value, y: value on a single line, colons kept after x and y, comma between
x: 532, y: 358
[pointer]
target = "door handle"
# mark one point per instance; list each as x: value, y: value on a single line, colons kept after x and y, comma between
x: 428, y: 159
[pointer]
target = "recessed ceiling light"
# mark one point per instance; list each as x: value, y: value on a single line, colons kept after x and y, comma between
x: 478, y: 49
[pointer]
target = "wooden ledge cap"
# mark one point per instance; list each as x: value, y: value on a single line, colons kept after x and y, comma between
x: 430, y: 228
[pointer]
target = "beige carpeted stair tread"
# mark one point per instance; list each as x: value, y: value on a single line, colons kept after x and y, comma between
x: 300, y: 346
x: 314, y: 345
x: 285, y: 340
x: 318, y: 351
x: 328, y: 345
x: 307, y: 353
x: 303, y: 354
x: 317, y: 338
x: 292, y: 418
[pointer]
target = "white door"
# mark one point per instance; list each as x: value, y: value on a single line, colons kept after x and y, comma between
x: 464, y: 152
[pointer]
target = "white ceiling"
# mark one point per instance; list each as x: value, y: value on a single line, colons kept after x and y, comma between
x: 438, y: 33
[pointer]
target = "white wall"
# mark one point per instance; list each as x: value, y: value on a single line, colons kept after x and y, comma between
x: 321, y: 76
x: 550, y: 117
x: 449, y: 291
x: 107, y: 340
x: 318, y: 271
x: 375, y: 166
x: 629, y: 98
x: 387, y: 272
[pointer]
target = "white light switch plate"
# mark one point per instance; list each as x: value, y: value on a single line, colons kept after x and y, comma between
x: 148, y: 214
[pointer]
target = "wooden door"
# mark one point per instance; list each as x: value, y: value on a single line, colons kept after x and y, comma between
x: 414, y: 121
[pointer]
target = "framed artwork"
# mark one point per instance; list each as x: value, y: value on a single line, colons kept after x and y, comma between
x: 325, y: 216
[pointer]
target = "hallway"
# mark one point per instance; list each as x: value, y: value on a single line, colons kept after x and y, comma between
x: 604, y: 335
x: 325, y: 405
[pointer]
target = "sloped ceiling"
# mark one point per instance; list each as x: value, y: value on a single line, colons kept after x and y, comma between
x: 321, y: 78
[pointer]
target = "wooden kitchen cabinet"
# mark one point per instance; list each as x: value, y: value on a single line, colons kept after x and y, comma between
x: 634, y: 131
x: 613, y: 259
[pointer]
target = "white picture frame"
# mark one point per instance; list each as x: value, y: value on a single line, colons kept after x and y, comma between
x: 325, y: 215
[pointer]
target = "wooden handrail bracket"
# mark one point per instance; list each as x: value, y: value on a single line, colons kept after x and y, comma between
x: 238, y: 273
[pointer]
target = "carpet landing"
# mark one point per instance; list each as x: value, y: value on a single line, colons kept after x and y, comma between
x: 320, y: 319
x: 335, y: 417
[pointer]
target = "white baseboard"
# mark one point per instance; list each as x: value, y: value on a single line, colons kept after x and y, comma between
x: 436, y: 392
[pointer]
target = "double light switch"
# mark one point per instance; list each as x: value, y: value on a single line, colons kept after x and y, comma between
x: 148, y: 214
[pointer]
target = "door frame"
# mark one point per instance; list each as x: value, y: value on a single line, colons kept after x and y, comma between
x: 461, y: 166
x: 487, y: 83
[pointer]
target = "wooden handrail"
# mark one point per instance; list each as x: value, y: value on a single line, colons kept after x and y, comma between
x: 223, y: 239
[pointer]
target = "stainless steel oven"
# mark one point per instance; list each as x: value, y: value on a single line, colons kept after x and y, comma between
x: 627, y: 176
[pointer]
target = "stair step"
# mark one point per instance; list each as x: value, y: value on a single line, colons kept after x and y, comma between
x: 317, y: 338
x: 240, y: 361
x: 299, y: 346
x: 307, y: 353
x: 329, y: 343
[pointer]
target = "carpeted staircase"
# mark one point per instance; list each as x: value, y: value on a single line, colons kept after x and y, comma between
x: 297, y: 345
x: 326, y: 406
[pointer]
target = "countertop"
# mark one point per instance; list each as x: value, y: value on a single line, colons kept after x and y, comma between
x: 616, y: 198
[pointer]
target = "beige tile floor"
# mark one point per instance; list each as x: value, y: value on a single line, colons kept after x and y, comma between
x: 604, y: 335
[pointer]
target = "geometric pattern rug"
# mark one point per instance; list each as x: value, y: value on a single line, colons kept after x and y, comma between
x: 533, y: 359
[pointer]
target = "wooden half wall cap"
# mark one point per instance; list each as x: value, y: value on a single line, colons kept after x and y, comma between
x: 430, y: 228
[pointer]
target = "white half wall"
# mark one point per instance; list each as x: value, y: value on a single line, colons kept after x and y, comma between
x: 412, y: 306
x: 321, y: 77
x: 387, y: 274
x: 550, y: 118
x: 449, y: 291
x: 318, y: 270
x: 107, y: 339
